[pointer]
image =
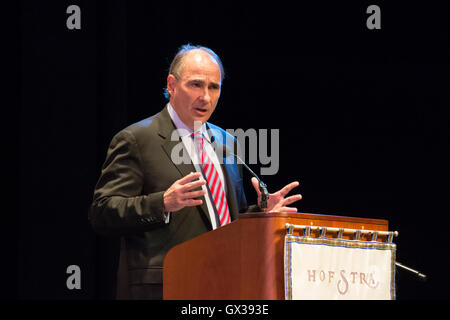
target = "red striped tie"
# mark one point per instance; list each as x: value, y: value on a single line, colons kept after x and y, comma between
x: 213, y: 179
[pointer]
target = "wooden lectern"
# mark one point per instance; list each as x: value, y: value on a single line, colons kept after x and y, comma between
x: 243, y: 260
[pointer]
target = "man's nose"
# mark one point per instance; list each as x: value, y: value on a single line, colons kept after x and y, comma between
x: 206, y: 96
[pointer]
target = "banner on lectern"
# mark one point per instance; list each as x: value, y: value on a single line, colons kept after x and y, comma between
x: 337, y: 269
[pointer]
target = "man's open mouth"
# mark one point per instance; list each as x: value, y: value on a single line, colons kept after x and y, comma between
x: 201, y: 109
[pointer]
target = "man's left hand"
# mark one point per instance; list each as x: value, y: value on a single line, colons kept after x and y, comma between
x: 278, y: 201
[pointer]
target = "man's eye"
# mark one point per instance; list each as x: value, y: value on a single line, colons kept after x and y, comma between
x: 196, y: 84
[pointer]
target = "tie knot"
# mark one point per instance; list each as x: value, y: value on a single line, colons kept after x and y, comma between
x: 198, y: 136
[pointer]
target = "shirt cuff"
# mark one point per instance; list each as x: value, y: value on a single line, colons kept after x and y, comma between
x: 166, y: 217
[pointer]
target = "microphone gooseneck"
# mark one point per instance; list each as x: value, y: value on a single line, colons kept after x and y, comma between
x: 262, y: 185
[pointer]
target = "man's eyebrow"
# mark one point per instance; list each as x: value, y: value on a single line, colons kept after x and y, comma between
x: 214, y: 84
x: 196, y: 80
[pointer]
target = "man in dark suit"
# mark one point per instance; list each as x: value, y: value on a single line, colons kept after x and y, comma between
x: 154, y: 201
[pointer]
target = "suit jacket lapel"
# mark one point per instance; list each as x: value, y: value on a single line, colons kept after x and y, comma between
x: 166, y: 128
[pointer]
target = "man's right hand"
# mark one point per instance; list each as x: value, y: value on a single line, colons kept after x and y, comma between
x: 180, y: 194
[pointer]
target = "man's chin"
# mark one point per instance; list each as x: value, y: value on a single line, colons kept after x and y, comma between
x: 201, y: 119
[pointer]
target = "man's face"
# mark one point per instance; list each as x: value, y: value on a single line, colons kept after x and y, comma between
x: 194, y: 96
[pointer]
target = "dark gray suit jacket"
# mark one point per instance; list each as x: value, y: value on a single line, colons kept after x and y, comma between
x: 128, y: 200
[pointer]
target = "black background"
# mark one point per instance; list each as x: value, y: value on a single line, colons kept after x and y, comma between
x: 363, y: 119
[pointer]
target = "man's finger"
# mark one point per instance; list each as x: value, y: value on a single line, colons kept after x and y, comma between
x: 194, y: 194
x: 192, y: 202
x: 255, y: 184
x: 288, y: 188
x: 191, y: 176
x: 292, y: 199
x: 287, y: 209
x: 192, y: 185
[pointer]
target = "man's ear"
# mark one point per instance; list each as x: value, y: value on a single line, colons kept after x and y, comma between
x: 171, y: 81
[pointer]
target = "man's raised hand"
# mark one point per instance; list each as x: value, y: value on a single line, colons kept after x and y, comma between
x: 180, y: 194
x: 278, y: 201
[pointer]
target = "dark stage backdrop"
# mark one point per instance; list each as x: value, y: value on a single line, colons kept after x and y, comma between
x: 362, y: 114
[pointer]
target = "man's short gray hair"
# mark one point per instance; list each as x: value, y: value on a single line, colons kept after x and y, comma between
x: 178, y: 61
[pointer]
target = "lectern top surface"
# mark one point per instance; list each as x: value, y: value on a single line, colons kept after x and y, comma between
x: 315, y: 216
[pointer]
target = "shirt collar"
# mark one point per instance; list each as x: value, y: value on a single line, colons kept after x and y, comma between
x: 182, y: 128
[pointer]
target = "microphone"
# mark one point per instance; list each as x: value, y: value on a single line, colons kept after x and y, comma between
x: 223, y: 149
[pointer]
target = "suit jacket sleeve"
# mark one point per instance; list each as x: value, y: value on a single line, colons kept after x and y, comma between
x: 118, y: 206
